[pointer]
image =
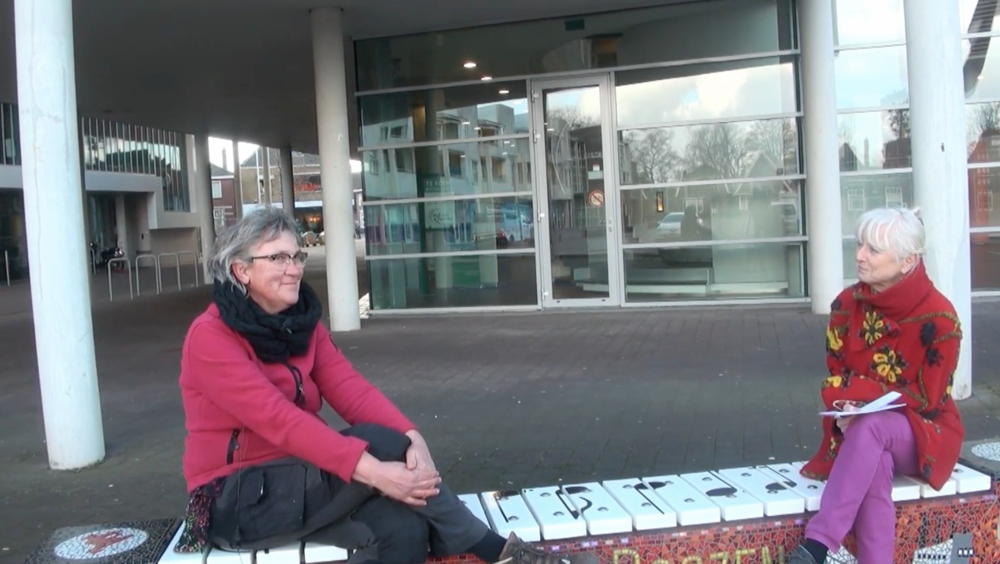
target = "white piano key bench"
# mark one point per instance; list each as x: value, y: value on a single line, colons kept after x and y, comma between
x: 748, y: 515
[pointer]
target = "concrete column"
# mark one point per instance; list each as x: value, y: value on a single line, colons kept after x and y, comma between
x: 287, y: 182
x: 335, y: 167
x: 121, y: 226
x: 237, y: 179
x: 268, y: 185
x: 53, y: 213
x: 823, y: 211
x: 202, y: 173
x: 940, y: 176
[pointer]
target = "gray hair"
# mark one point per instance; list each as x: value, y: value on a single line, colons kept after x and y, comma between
x: 263, y: 225
x: 899, y: 230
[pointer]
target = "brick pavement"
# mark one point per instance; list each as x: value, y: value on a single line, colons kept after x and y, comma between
x: 504, y: 399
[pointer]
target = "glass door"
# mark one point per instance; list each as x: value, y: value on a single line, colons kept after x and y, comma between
x: 576, y: 194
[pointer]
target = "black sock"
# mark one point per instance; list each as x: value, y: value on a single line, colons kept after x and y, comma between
x: 816, y: 549
x: 489, y: 549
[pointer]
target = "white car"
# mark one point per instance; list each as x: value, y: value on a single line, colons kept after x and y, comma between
x: 670, y: 226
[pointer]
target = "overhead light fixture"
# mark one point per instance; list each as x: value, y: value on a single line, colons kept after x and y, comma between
x: 505, y: 91
x: 465, y: 123
x: 469, y: 65
x: 550, y: 129
x: 486, y: 78
x: 477, y: 128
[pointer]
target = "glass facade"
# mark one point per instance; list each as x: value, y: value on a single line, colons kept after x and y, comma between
x: 874, y: 121
x: 116, y: 147
x: 707, y: 192
x: 477, y: 156
x: 981, y: 34
x: 598, y: 41
x: 873, y: 118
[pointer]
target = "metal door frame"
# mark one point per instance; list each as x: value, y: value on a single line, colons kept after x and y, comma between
x: 612, y: 212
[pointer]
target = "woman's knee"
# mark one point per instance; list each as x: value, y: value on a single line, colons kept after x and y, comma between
x: 879, y: 425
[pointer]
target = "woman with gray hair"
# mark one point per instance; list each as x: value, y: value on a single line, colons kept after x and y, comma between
x: 263, y: 469
x: 892, y: 331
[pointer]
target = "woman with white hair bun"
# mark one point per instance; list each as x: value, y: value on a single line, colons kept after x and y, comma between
x: 892, y: 331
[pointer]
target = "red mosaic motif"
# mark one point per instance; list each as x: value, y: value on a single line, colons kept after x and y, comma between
x: 919, y: 524
x: 103, y: 539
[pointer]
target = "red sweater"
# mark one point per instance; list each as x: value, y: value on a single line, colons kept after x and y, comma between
x: 904, y: 339
x: 239, y: 408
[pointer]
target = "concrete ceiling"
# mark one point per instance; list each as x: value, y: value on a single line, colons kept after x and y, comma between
x: 241, y: 68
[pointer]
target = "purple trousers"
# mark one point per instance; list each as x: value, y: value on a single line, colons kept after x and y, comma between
x: 858, y: 493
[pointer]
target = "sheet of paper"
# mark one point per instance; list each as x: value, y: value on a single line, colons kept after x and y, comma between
x: 883, y: 403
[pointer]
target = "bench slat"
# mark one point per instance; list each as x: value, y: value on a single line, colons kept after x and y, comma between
x: 289, y: 554
x: 971, y: 481
x: 216, y: 556
x: 648, y: 511
x: 691, y: 506
x: 601, y: 511
x: 905, y: 488
x: 778, y: 498
x: 508, y: 513
x: 475, y: 505
x: 736, y: 504
x: 171, y: 557
x: 314, y: 553
x: 555, y: 513
x: 811, y: 490
x: 950, y: 488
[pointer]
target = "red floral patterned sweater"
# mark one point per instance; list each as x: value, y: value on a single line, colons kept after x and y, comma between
x: 904, y: 339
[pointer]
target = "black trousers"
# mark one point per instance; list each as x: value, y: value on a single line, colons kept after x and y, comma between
x: 288, y: 500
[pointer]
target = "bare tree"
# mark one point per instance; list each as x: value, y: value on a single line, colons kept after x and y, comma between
x: 899, y: 123
x: 776, y: 138
x: 572, y: 117
x: 987, y: 118
x: 653, y: 154
x: 721, y: 146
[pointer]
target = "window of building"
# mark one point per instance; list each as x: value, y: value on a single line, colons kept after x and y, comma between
x: 216, y: 190
x: 856, y: 199
x: 455, y: 163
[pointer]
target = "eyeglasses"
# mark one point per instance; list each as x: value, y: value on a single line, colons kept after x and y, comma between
x: 284, y: 259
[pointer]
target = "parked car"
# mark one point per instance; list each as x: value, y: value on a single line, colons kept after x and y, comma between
x: 670, y: 226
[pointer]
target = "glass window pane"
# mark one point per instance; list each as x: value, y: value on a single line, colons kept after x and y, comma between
x: 444, y: 282
x: 710, y: 91
x: 457, y: 169
x: 687, y: 31
x: 985, y: 259
x: 448, y: 226
x: 981, y: 68
x: 984, y: 197
x: 720, y: 212
x: 868, y: 21
x: 874, y: 140
x: 983, y: 132
x: 870, y: 78
x: 859, y: 194
x: 466, y: 112
x: 753, y: 270
x: 709, y: 152
x: 978, y: 16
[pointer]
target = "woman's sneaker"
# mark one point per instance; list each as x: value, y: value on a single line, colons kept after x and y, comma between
x: 517, y: 552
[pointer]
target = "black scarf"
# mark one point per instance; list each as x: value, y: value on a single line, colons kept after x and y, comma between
x: 275, y: 337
